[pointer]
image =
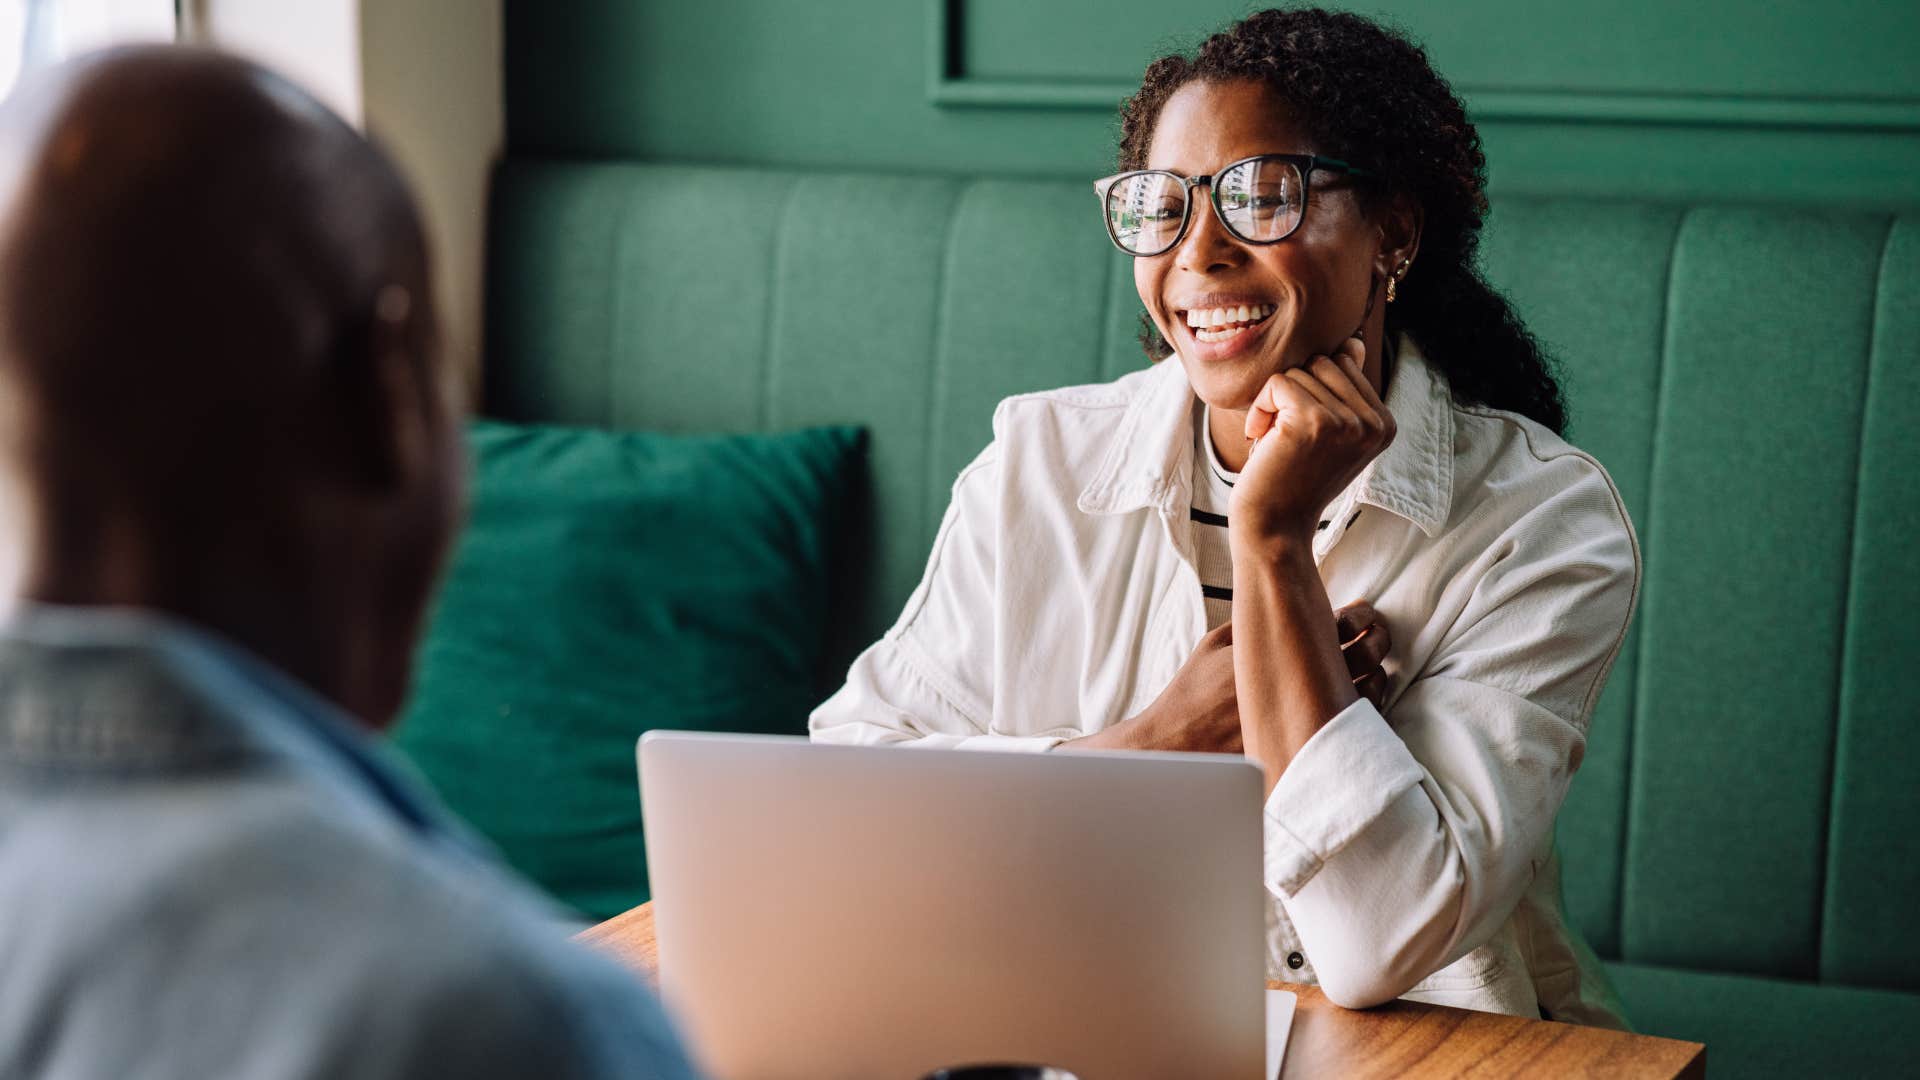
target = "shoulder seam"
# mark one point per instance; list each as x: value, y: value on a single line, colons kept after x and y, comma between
x: 1588, y: 699
x: 1526, y: 433
x: 988, y: 455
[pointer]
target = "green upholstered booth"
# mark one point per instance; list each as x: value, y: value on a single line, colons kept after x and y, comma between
x: 1739, y: 843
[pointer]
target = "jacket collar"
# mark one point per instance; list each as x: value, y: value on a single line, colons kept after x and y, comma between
x: 1151, y: 455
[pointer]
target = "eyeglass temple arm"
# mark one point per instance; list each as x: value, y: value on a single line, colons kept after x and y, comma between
x: 1336, y: 163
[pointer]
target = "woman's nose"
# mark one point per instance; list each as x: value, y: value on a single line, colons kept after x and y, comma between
x: 1207, y: 245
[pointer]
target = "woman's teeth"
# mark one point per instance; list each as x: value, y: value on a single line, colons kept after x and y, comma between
x: 1222, y: 323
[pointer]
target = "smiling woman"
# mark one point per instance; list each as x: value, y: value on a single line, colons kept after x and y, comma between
x: 1355, y: 416
x: 1343, y: 86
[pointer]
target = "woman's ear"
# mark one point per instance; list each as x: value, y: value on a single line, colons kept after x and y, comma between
x: 387, y: 392
x: 1399, y: 227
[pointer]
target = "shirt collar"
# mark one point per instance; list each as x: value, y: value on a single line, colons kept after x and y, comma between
x: 125, y: 690
x: 1413, y: 478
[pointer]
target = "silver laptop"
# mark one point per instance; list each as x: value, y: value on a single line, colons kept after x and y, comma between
x: 883, y: 912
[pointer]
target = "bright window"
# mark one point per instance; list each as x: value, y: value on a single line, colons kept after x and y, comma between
x: 37, y: 33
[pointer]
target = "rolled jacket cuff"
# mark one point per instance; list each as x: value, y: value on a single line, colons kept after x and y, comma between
x: 1339, y: 783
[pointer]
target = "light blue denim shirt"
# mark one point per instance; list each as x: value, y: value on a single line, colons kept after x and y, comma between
x: 207, y: 871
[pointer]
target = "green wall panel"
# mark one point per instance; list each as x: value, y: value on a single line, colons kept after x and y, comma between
x: 678, y: 367
x: 1123, y: 351
x: 554, y: 297
x: 1750, y: 506
x: 1873, y: 878
x: 855, y: 337
x: 1794, y: 101
x: 1025, y: 302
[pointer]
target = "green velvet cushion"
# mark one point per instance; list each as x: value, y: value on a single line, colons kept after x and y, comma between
x: 607, y: 584
x: 1756, y: 1026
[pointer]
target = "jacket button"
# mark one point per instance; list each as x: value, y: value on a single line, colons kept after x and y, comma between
x: 1294, y: 960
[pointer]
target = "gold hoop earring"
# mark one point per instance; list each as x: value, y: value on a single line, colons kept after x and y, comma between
x: 1393, y: 280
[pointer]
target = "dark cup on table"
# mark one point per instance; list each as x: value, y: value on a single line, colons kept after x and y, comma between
x: 1001, y: 1073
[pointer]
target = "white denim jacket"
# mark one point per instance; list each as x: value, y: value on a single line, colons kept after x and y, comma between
x: 1407, y: 853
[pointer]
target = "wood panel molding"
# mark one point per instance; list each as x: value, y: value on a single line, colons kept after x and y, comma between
x: 950, y: 86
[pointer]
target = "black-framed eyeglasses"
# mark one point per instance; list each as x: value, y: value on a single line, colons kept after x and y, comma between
x: 1261, y: 200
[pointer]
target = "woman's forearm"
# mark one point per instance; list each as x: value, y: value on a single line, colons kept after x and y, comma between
x: 1288, y: 671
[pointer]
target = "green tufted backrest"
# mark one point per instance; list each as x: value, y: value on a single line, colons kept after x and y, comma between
x: 1750, y: 376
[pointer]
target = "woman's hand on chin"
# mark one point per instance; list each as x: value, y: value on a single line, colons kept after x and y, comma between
x: 1315, y: 428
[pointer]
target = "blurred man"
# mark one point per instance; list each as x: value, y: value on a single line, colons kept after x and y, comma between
x: 230, y: 462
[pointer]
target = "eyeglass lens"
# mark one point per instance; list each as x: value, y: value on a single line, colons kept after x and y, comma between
x: 1260, y: 201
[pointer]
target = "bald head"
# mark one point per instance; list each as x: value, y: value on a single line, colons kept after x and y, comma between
x: 184, y: 228
x: 216, y: 336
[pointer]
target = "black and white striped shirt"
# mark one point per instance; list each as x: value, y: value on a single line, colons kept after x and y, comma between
x: 1212, y: 494
x: 1212, y: 556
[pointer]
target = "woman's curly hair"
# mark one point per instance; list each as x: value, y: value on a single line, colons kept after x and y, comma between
x: 1366, y: 94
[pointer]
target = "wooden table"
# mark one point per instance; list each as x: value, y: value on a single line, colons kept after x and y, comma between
x: 1398, y: 1039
